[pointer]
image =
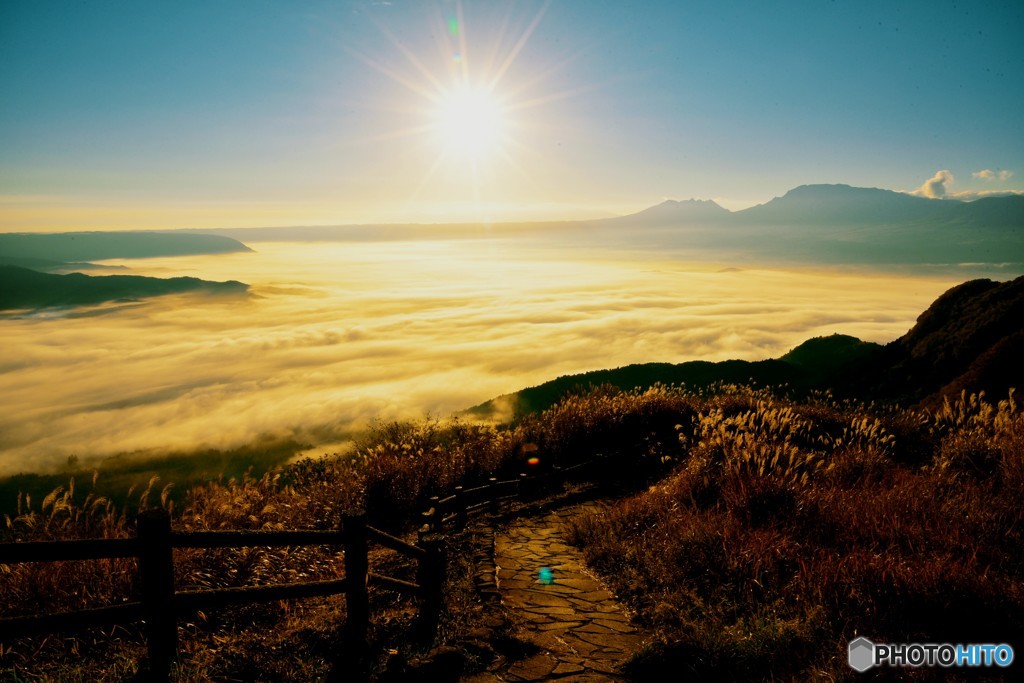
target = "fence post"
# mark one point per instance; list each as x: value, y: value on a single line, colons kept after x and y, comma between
x: 357, y: 601
x: 492, y: 490
x: 156, y: 576
x: 427, y: 517
x: 523, y: 486
x: 460, y: 508
x: 437, y: 523
x: 430, y: 575
x: 556, y: 482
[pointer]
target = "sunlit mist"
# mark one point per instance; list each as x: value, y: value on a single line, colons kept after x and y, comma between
x: 335, y: 335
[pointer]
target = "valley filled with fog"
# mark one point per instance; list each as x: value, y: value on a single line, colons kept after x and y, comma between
x: 335, y: 334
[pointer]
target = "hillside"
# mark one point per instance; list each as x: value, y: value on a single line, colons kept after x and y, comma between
x: 21, y: 288
x: 802, y: 369
x: 970, y: 339
x: 20, y: 248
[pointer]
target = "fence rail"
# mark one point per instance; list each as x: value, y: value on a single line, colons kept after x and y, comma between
x: 241, y: 539
x: 56, y: 551
x: 453, y: 511
x: 161, y: 605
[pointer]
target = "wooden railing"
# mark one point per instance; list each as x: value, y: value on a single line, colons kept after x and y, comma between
x: 453, y: 511
x: 160, y: 605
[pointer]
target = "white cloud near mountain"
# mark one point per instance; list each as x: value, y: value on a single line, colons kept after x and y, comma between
x: 989, y: 174
x: 936, y: 186
x: 939, y: 186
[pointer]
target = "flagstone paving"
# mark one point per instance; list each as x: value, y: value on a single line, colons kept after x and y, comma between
x: 582, y: 632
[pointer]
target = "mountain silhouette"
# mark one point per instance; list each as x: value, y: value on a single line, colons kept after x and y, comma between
x: 844, y: 224
x: 25, y: 248
x: 672, y: 212
x: 970, y: 339
x: 843, y: 205
x: 21, y: 288
x: 802, y: 369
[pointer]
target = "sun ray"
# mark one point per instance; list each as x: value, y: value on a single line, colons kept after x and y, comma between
x: 466, y: 106
x: 498, y: 43
x: 463, y: 52
x: 397, y: 134
x: 428, y: 175
x: 517, y: 167
x: 514, y: 53
x: 410, y: 56
x: 554, y: 97
x: 395, y: 76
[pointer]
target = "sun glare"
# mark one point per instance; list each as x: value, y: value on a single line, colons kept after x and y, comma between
x: 470, y: 110
x: 470, y: 122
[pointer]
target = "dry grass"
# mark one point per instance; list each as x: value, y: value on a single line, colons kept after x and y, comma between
x: 390, y: 475
x: 783, y: 530
x: 789, y: 529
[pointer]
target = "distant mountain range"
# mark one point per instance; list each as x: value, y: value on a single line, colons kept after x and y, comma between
x: 970, y: 339
x: 810, y: 223
x: 43, y: 251
x: 28, y: 259
x: 673, y: 212
x: 21, y: 288
x: 839, y: 223
x: 822, y: 205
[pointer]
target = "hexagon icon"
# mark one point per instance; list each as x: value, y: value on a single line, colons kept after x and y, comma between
x: 862, y: 654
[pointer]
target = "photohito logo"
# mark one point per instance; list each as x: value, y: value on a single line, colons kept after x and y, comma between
x: 864, y: 654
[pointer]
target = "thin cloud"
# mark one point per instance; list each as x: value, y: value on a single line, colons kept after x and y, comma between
x: 988, y: 174
x: 971, y: 195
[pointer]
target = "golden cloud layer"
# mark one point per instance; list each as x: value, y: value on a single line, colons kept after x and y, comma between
x: 337, y: 334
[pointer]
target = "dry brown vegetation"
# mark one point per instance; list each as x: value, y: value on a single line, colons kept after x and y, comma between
x: 390, y: 475
x: 787, y: 530
x: 781, y: 530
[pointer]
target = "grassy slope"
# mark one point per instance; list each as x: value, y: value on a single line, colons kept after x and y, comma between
x: 783, y: 529
x: 788, y: 530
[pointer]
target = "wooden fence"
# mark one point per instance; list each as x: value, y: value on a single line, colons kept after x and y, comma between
x: 160, y: 605
x: 453, y: 511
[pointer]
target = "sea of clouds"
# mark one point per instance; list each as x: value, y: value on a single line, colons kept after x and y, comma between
x: 334, y: 335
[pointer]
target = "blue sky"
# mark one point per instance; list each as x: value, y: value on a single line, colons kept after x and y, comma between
x: 204, y: 114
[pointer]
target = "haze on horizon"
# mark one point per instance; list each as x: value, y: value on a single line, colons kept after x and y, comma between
x: 199, y: 115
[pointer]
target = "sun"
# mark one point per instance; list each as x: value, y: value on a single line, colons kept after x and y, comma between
x: 470, y: 122
x: 470, y: 110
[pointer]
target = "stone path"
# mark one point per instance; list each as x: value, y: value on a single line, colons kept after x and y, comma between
x: 582, y: 632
